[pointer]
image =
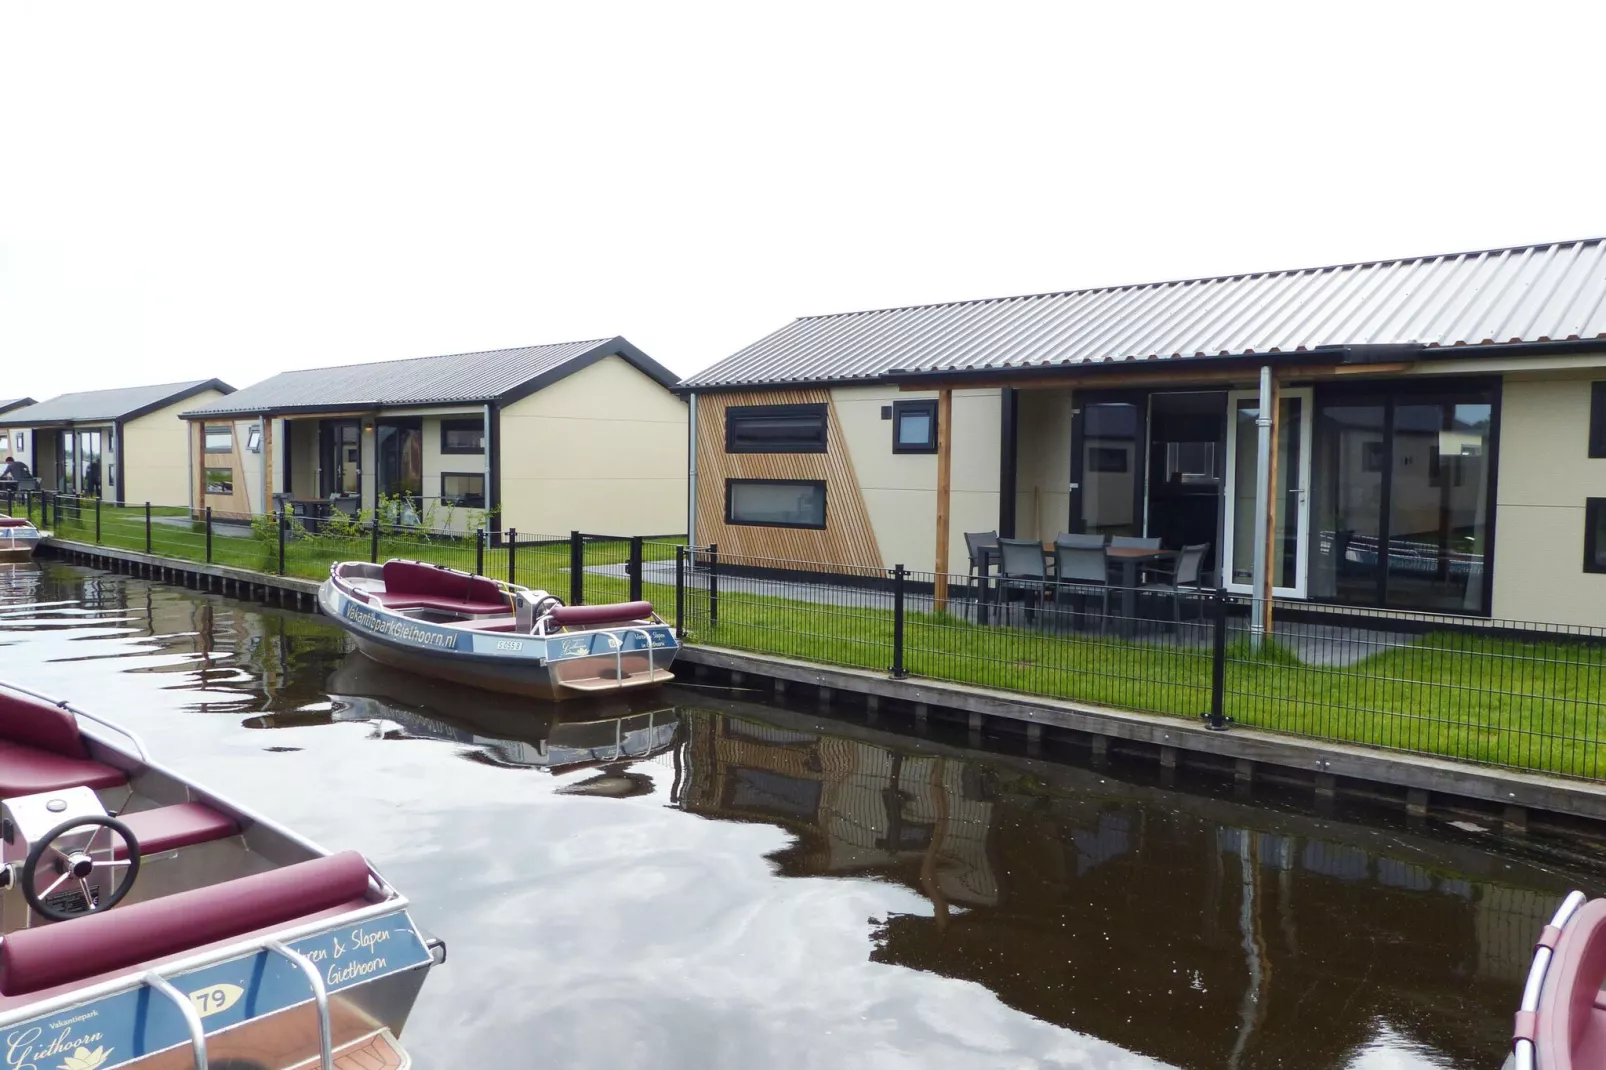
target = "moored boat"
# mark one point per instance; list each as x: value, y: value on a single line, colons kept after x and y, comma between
x: 149, y: 922
x: 1561, y: 1021
x: 438, y: 621
x: 18, y: 538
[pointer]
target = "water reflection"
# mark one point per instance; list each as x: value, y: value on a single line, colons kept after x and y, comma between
x: 761, y: 886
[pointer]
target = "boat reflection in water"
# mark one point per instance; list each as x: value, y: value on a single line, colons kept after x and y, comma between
x: 505, y: 730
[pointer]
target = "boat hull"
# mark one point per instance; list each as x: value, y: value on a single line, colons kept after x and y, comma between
x: 553, y: 668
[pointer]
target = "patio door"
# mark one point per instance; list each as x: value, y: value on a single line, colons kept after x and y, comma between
x: 1292, y: 448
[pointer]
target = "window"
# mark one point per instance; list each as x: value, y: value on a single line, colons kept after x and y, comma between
x: 466, y: 489
x: 914, y: 427
x: 777, y: 503
x: 220, y: 481
x: 219, y: 438
x: 5, y: 442
x: 775, y: 429
x: 253, y: 438
x: 22, y: 441
x: 1597, y: 420
x: 1595, y: 534
x: 462, y: 436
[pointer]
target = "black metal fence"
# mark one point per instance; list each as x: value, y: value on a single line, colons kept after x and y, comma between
x: 1515, y: 694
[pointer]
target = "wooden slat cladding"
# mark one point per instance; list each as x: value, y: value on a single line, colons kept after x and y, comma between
x: 847, y: 539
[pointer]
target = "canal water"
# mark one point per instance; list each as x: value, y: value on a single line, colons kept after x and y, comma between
x: 707, y: 881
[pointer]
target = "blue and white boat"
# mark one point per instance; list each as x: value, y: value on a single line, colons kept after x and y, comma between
x: 438, y: 621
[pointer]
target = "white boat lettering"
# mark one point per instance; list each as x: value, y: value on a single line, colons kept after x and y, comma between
x: 352, y: 970
x: 23, y: 1052
x: 509, y: 644
x: 368, y: 940
x: 397, y: 629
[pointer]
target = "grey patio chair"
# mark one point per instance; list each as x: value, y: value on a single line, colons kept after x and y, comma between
x: 1082, y: 573
x: 1080, y: 542
x: 1022, y: 567
x: 1135, y: 542
x: 978, y: 544
x: 1186, y: 579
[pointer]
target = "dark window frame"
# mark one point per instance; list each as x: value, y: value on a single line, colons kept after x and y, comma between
x: 1593, y: 519
x: 208, y: 430
x: 227, y: 487
x: 825, y: 505
x: 734, y: 414
x: 925, y: 405
x: 448, y: 426
x: 1597, y: 420
x: 458, y: 502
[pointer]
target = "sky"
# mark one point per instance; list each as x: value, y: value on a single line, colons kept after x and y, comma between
x: 191, y: 190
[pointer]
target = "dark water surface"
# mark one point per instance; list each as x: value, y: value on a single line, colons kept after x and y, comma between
x: 771, y: 888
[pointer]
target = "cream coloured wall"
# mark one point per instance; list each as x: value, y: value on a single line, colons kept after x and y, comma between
x: 900, y: 489
x: 1043, y: 464
x: 156, y: 454
x: 1545, y: 475
x: 602, y: 450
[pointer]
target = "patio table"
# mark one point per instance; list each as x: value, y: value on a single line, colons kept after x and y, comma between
x: 1130, y: 558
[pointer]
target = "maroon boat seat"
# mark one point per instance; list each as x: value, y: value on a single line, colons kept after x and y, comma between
x: 414, y: 585
x: 68, y: 951
x: 598, y: 616
x: 167, y: 828
x: 14, y: 522
x: 41, y: 750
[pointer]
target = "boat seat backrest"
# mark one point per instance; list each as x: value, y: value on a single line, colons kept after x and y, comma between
x: 36, y: 723
x: 599, y: 616
x: 15, y: 522
x: 413, y: 577
x: 69, y: 951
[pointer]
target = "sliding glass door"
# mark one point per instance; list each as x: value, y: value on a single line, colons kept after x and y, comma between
x: 1291, y: 449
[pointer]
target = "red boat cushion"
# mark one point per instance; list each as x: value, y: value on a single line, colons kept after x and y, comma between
x: 14, y: 522
x: 494, y: 624
x: 25, y: 770
x: 445, y: 605
x: 167, y: 828
x: 24, y: 719
x: 31, y: 959
x: 595, y: 616
x: 431, y: 581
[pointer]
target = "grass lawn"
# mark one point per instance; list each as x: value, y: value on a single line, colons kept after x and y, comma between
x: 1525, y: 704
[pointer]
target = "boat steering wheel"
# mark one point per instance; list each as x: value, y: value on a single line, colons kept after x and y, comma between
x: 78, y: 864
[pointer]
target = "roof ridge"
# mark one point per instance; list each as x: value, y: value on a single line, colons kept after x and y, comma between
x: 139, y: 386
x: 442, y: 356
x: 1155, y: 284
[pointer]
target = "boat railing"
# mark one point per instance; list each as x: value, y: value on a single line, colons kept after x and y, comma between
x: 127, y: 733
x: 1523, y: 1049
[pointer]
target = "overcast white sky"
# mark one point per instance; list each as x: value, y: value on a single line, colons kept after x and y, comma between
x: 191, y: 190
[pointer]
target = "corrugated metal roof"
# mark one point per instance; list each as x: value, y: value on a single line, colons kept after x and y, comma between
x: 451, y: 379
x: 14, y: 403
x: 90, y: 406
x: 1536, y: 293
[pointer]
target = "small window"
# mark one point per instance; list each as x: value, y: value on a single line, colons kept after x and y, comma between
x: 220, y: 481
x: 5, y: 442
x: 253, y: 438
x: 775, y: 429
x: 914, y: 427
x: 1597, y: 420
x: 465, y: 489
x: 462, y: 436
x: 22, y: 441
x: 1107, y: 459
x: 1595, y: 534
x: 219, y: 438
x: 776, y: 503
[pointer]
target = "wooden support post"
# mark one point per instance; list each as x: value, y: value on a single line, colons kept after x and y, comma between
x: 266, y: 504
x: 1271, y: 473
x: 945, y: 442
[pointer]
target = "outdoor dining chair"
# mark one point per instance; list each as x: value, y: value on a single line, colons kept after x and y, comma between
x: 1133, y: 542
x: 1023, y: 568
x: 1082, y: 573
x: 1186, y: 579
x: 1080, y: 542
x: 978, y: 544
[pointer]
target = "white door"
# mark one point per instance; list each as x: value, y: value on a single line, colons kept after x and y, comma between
x: 1290, y: 546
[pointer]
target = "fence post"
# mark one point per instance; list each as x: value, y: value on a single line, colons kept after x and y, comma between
x: 97, y: 526
x: 147, y: 524
x: 479, y: 551
x: 512, y: 549
x: 577, y: 569
x: 1217, y: 720
x: 282, y: 526
x: 898, y: 574
x: 208, y: 530
x: 635, y: 568
x: 680, y: 592
x: 713, y: 583
x: 373, y: 542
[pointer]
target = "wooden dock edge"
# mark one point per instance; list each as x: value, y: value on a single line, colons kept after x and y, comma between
x: 1327, y: 765
x: 287, y: 591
